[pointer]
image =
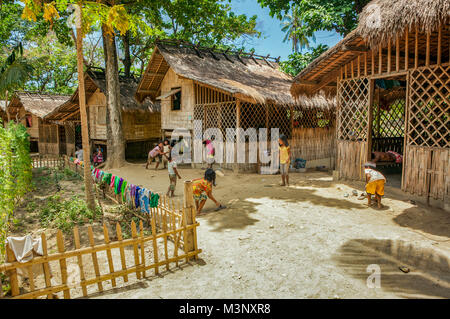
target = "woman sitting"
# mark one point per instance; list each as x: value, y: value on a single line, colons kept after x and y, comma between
x: 202, y: 190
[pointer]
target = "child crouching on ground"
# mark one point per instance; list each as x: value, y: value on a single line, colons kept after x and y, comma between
x: 173, y: 174
x: 374, y: 183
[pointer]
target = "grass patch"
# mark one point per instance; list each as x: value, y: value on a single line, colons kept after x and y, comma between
x: 66, y: 214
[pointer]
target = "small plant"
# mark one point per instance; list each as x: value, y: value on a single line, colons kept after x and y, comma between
x: 65, y: 214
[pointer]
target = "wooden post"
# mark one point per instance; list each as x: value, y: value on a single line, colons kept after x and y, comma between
x: 13, y: 280
x: 407, y: 48
x: 370, y: 118
x: 238, y: 135
x: 83, y: 114
x: 189, y: 207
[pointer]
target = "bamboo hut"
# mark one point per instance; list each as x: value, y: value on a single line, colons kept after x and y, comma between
x: 227, y: 89
x: 141, y: 122
x: 30, y: 108
x: 391, y: 78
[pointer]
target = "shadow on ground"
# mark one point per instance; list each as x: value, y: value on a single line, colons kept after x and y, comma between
x: 238, y: 214
x: 429, y: 275
x: 432, y: 221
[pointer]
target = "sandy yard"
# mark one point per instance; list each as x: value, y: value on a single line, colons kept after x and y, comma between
x: 303, y: 241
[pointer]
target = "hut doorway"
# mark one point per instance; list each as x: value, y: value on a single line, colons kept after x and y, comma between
x: 387, y: 133
x: 62, y: 140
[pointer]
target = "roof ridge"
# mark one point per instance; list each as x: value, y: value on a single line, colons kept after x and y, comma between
x: 211, y: 50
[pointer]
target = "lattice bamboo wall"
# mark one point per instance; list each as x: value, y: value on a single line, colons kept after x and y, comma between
x: 429, y: 110
x: 353, y: 99
x: 219, y: 110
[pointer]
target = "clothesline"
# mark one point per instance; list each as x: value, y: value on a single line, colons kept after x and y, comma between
x: 136, y: 196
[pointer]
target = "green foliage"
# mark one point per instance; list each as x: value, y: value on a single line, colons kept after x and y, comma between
x: 298, y: 61
x: 292, y: 26
x: 330, y: 15
x: 65, y: 214
x: 15, y: 173
x: 15, y: 71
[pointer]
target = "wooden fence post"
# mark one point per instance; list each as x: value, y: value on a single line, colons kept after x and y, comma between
x: 189, y: 243
x: 13, y: 280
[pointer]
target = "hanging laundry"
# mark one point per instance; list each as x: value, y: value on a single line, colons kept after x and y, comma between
x: 136, y: 197
x: 123, y: 189
x: 154, y: 200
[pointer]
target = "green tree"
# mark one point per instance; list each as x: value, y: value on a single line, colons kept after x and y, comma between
x: 298, y: 61
x: 330, y: 15
x: 292, y: 26
x: 14, y: 72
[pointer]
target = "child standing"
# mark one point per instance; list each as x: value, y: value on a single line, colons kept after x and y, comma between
x: 166, y: 150
x: 173, y: 174
x: 285, y: 159
x: 374, y: 183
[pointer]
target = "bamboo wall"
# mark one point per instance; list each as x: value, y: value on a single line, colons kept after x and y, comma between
x: 313, y: 143
x: 177, y: 119
x: 48, y: 139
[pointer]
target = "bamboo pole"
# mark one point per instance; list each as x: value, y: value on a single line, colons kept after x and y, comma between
x: 83, y: 114
x: 189, y: 210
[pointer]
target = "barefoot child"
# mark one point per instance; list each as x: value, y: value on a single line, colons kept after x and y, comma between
x: 285, y: 159
x: 173, y: 174
x: 202, y: 190
x: 374, y: 183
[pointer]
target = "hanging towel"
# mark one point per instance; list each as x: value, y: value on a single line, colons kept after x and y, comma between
x: 123, y: 190
x: 136, y: 197
x: 154, y: 200
x: 118, y: 185
x: 23, y: 247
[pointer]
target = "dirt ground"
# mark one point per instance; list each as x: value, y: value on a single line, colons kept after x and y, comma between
x: 308, y: 240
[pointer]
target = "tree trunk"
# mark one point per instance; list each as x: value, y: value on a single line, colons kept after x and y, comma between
x: 84, y: 125
x: 114, y: 133
x: 127, y: 56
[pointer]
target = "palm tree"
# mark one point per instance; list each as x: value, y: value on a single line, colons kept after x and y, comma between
x: 14, y: 72
x: 292, y: 25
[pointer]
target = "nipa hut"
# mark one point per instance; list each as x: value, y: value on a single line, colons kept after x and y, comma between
x: 392, y: 80
x: 30, y: 108
x: 141, y: 122
x: 227, y: 89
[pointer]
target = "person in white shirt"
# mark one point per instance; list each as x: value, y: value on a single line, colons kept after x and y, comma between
x: 374, y: 183
x: 173, y: 174
x: 79, y: 154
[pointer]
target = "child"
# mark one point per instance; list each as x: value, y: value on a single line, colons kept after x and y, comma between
x: 173, y: 173
x: 374, y: 183
x: 202, y: 190
x: 285, y: 159
x: 166, y: 150
x: 155, y: 154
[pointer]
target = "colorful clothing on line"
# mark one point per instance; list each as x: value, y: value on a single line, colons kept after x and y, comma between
x: 154, y: 200
x: 136, y: 197
x: 123, y: 190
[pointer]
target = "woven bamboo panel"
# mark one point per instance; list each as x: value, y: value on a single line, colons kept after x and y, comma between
x: 353, y: 100
x: 429, y: 119
x: 351, y: 156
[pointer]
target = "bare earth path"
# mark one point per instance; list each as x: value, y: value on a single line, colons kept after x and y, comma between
x: 305, y: 241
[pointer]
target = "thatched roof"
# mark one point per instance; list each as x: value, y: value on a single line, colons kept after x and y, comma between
x: 395, y: 16
x: 96, y: 80
x: 37, y: 103
x: 254, y: 77
x: 373, y: 30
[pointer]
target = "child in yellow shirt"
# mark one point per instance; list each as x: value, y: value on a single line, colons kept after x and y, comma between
x: 285, y: 159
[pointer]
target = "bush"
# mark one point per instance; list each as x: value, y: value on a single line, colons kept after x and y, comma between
x: 15, y: 174
x: 65, y: 214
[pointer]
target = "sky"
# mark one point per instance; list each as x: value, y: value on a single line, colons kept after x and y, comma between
x: 271, y: 41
